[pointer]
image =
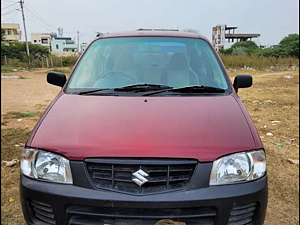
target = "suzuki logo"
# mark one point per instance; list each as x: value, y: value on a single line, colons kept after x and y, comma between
x: 140, y: 177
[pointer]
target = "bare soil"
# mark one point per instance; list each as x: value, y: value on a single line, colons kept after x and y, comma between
x: 272, y: 98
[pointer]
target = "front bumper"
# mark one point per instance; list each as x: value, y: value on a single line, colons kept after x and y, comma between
x: 70, y: 204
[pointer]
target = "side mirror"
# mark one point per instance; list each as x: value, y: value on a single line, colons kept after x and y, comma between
x: 55, y: 78
x: 242, y: 81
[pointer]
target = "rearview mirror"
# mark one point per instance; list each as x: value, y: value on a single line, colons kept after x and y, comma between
x: 56, y: 78
x: 242, y: 81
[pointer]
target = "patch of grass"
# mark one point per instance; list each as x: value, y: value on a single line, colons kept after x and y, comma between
x: 283, y: 177
x: 258, y: 62
x: 5, y: 69
x: 19, y: 115
x: 9, y: 138
x: 3, y: 123
x: 11, y: 212
x: 62, y: 70
x: 22, y: 78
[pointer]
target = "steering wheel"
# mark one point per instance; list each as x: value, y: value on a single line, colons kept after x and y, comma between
x: 119, y: 73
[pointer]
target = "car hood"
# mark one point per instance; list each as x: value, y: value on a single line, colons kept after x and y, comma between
x: 203, y: 128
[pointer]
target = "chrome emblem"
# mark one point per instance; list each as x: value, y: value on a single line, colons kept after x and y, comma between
x: 140, y: 177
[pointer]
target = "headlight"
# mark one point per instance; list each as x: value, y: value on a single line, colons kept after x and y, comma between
x: 46, y: 166
x: 238, y: 168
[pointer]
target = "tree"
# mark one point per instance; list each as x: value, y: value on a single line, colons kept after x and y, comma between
x: 243, y: 48
x: 290, y: 45
x: 246, y: 45
x: 239, y: 51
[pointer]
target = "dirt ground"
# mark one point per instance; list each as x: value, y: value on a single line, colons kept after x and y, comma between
x: 272, y: 98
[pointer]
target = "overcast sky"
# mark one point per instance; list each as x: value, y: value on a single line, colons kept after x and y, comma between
x: 273, y: 19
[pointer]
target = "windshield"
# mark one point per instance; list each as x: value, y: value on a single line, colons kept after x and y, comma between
x: 173, y: 62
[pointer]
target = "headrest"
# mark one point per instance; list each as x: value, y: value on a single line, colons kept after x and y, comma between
x: 178, y: 62
x: 125, y: 62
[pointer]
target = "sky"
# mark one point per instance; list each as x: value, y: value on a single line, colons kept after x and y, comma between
x: 273, y: 19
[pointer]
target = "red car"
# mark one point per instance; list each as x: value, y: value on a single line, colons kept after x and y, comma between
x: 148, y: 127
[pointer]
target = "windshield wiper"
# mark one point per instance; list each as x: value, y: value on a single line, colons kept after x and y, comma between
x: 190, y: 89
x: 198, y: 89
x: 134, y: 87
x: 92, y: 91
x: 142, y: 87
x: 153, y: 89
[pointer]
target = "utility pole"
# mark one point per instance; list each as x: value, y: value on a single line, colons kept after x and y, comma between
x: 78, y: 42
x: 27, y: 47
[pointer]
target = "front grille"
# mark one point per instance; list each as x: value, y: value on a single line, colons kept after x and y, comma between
x: 79, y: 215
x: 243, y: 215
x: 42, y: 212
x: 164, y: 175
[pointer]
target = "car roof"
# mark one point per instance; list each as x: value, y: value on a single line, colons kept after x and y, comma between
x: 152, y: 34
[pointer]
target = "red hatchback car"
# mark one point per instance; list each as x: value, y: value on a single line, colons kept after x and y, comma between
x: 148, y: 127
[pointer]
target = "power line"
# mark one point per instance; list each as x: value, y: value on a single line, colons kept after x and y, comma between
x: 10, y: 17
x: 44, y: 21
x: 39, y: 18
x: 9, y: 12
x: 46, y: 27
x: 9, y: 1
x: 9, y: 6
x: 37, y: 14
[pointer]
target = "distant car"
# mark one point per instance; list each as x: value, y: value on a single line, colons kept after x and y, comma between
x: 147, y: 127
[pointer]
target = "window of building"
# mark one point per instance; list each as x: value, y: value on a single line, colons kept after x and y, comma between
x: 44, y: 41
x: 9, y: 32
x: 57, y: 47
x: 34, y: 41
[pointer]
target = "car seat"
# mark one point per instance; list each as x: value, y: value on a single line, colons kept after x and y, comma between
x: 179, y: 73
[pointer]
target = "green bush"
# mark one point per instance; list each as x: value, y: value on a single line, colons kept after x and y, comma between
x: 66, y: 61
x: 18, y: 51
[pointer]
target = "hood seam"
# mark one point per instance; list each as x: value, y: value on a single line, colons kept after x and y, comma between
x: 239, y: 104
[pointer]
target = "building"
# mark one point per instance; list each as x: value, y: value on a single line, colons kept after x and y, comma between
x: 84, y: 47
x: 223, y: 34
x: 43, y: 39
x: 218, y: 38
x: 64, y: 46
x: 12, y: 32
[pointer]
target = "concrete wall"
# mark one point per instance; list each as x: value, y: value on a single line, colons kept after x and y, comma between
x: 60, y: 54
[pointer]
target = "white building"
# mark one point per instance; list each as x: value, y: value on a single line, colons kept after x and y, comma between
x: 63, y: 46
x: 43, y: 39
x: 12, y: 32
x: 84, y: 47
